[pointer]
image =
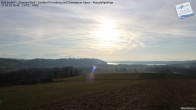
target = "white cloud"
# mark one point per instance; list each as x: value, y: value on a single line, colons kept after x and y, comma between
x: 58, y: 30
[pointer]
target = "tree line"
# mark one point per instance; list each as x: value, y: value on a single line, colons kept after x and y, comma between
x: 37, y: 75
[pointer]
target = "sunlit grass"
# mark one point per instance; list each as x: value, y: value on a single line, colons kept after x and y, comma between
x: 27, y: 96
x: 22, y: 97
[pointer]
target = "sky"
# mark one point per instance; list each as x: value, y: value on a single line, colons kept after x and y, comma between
x: 127, y: 30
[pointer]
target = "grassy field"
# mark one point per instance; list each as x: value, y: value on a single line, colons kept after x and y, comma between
x: 22, y: 97
x: 108, y: 76
x: 30, y: 96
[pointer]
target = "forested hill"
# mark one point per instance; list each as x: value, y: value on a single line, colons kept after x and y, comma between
x: 7, y: 65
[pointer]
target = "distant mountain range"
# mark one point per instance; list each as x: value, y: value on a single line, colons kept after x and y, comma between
x: 7, y: 65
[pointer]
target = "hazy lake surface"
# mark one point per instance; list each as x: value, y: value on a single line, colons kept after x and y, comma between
x: 136, y: 63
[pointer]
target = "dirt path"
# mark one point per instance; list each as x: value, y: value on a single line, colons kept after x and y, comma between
x: 149, y: 95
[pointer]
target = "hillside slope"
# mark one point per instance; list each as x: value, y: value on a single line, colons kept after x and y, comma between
x: 7, y: 65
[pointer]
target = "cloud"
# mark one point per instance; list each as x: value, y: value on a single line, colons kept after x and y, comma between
x: 60, y: 30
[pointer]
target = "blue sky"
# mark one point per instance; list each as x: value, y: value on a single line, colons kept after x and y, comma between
x: 126, y: 30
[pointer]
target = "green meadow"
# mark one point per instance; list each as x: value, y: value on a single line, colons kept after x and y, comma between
x: 28, y: 96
